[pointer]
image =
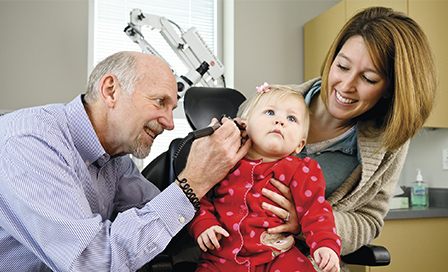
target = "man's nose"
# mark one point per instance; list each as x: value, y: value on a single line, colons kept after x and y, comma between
x: 167, y: 120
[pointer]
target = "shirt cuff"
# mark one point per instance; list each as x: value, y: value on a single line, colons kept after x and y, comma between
x: 173, y: 208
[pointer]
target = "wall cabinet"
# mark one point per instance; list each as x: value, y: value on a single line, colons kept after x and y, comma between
x: 320, y: 32
x: 414, y: 245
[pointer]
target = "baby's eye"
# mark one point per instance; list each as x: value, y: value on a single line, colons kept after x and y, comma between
x: 270, y: 112
x: 291, y: 119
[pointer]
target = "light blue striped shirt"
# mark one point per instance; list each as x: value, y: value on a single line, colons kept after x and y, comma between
x: 59, y: 191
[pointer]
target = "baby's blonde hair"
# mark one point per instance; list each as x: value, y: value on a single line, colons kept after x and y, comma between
x: 275, y: 92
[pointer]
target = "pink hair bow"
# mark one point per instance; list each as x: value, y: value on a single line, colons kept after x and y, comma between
x: 263, y: 88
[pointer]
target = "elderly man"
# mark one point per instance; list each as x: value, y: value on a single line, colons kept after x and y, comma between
x: 64, y: 174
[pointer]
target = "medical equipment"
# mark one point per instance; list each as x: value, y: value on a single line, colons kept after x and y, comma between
x: 204, y: 67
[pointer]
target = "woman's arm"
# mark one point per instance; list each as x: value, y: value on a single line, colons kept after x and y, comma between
x: 360, y: 210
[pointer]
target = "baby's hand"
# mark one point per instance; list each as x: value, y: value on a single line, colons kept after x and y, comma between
x: 209, y: 238
x: 327, y: 259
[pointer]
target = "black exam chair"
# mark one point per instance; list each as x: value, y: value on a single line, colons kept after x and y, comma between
x: 201, y: 104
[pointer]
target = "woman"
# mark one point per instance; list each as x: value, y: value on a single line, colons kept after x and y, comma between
x: 376, y: 91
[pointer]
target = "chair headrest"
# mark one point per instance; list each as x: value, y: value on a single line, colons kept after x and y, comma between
x: 201, y: 104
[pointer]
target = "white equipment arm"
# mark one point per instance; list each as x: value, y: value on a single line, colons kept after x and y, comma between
x: 203, y: 65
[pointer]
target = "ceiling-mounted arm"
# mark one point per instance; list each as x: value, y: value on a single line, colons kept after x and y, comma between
x: 203, y: 65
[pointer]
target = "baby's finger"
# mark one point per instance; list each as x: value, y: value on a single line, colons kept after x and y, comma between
x: 208, y: 243
x: 317, y: 258
x: 324, y: 262
x: 214, y: 241
x: 223, y: 232
x: 201, y: 244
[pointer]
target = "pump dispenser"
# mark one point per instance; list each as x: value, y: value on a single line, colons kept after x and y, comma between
x: 419, y: 193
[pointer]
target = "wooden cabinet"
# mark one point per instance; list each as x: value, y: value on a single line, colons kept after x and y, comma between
x: 414, y: 245
x: 431, y: 15
x: 319, y: 34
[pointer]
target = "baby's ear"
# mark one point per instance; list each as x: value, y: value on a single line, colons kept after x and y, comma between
x: 300, y: 146
x: 240, y: 121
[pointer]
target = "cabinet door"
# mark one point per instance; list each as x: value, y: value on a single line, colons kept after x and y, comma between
x: 431, y: 15
x: 415, y: 245
x: 354, y: 6
x: 320, y: 32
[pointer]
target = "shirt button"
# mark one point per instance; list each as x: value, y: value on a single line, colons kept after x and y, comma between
x: 181, y: 219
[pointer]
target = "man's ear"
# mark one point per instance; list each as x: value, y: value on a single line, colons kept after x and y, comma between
x: 300, y: 146
x: 108, y: 89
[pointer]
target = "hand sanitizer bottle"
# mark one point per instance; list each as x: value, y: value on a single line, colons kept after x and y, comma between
x: 419, y: 194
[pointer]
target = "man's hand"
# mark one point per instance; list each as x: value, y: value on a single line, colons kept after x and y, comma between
x: 212, y: 157
x: 209, y: 239
x: 327, y: 259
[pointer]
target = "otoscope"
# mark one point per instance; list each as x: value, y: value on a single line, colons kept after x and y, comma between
x: 199, y: 133
x: 196, y: 134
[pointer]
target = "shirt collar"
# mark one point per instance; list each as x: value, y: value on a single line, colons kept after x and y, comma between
x: 84, y: 137
x: 315, y: 89
x: 348, y: 144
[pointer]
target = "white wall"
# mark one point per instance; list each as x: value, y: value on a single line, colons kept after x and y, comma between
x: 268, y: 40
x: 43, y: 52
x: 425, y: 152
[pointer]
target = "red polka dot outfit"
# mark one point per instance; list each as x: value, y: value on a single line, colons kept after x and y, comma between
x: 235, y: 204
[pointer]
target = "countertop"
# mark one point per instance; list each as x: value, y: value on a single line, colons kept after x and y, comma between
x: 438, y: 207
x: 413, y: 213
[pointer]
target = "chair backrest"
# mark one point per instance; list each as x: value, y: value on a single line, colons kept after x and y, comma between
x: 201, y: 104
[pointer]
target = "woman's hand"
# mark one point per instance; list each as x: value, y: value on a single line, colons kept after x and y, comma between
x: 286, y: 208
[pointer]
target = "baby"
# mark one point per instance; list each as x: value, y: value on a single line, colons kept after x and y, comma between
x: 276, y: 120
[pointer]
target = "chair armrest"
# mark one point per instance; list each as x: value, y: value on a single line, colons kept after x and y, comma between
x: 368, y: 255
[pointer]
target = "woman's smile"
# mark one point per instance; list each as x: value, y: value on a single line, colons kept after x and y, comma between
x: 344, y: 100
